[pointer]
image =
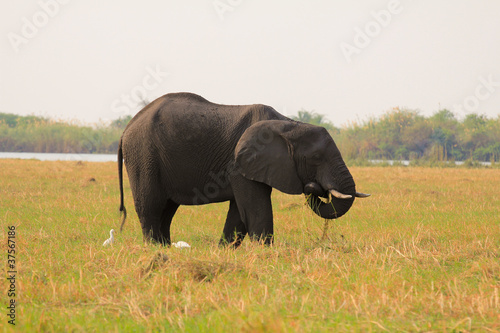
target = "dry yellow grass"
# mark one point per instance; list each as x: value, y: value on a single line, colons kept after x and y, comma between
x: 421, y: 254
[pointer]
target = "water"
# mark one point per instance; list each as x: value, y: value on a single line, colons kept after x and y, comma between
x: 114, y: 158
x: 62, y: 157
x: 406, y: 163
x: 390, y: 162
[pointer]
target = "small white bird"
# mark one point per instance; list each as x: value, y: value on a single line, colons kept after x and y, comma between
x: 111, y: 239
x: 181, y: 244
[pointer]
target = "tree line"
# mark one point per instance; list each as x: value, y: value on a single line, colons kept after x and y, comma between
x: 399, y: 134
x: 403, y: 134
x: 44, y: 135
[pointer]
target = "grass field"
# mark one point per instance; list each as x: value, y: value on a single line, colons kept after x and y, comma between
x: 421, y: 254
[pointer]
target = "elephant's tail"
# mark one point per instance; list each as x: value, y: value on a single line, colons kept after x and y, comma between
x: 123, y: 211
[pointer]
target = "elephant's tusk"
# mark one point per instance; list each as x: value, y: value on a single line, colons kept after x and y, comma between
x: 362, y: 195
x: 339, y: 195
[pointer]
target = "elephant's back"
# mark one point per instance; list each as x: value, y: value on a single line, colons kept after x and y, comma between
x: 191, y: 139
x: 187, y: 117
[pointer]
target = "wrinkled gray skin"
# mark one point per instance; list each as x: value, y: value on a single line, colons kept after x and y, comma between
x: 184, y: 150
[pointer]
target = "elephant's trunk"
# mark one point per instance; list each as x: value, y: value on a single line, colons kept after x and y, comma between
x: 333, y: 209
x: 339, y: 200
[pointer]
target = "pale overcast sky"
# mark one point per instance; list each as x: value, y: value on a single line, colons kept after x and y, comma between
x: 349, y: 60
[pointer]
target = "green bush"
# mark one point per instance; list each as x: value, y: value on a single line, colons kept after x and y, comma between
x: 42, y: 135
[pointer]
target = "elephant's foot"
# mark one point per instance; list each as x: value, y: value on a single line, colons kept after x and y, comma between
x: 151, y: 237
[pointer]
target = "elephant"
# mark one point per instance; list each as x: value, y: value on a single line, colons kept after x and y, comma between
x: 182, y: 149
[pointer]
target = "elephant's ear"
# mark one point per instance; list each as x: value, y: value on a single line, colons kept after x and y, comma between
x: 263, y: 154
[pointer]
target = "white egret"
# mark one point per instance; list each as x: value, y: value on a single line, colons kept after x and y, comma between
x: 181, y: 244
x: 111, y: 239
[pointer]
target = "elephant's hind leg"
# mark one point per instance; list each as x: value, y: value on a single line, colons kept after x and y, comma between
x: 234, y: 229
x: 166, y: 220
x: 156, y: 224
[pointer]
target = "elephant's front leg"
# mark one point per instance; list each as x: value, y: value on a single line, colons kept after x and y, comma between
x: 253, y: 200
x: 234, y: 229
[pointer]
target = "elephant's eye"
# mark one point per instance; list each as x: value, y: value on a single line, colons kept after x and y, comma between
x: 316, y: 158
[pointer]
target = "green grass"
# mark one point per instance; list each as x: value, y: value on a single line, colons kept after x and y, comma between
x: 421, y: 254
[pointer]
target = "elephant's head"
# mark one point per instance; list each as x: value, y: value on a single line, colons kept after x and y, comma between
x: 297, y: 158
